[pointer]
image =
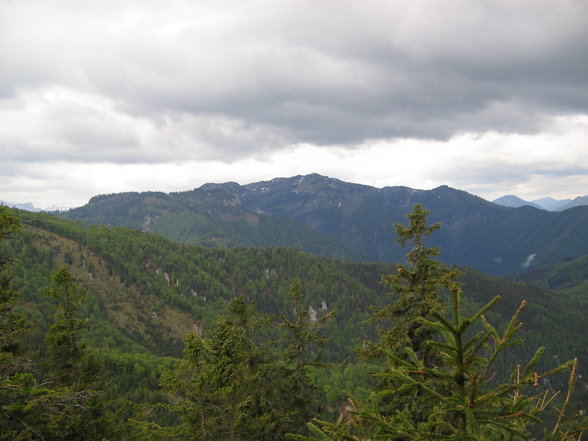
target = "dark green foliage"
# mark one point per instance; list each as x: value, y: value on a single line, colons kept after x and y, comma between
x: 27, y: 407
x: 17, y: 386
x: 72, y: 367
x: 227, y: 387
x: 12, y: 325
x: 303, y: 344
x: 217, y: 380
x: 416, y: 286
x: 24, y: 404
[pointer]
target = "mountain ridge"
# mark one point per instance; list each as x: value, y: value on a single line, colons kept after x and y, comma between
x: 546, y: 203
x: 345, y: 220
x: 515, y: 202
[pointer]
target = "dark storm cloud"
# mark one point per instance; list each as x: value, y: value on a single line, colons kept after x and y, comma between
x: 349, y: 73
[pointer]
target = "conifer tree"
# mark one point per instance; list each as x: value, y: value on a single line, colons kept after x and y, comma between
x: 19, y: 392
x: 65, y: 349
x: 446, y: 387
x: 223, y: 387
x: 73, y: 369
x: 26, y: 405
x: 416, y: 289
x: 305, y: 398
x: 416, y: 286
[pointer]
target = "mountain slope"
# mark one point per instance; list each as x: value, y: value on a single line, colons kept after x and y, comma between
x: 577, y: 202
x: 147, y: 292
x: 206, y: 217
x: 475, y: 232
x: 550, y: 204
x: 560, y: 276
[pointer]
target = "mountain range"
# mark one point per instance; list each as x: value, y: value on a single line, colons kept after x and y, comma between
x: 338, y: 219
x: 29, y: 206
x: 548, y: 203
x: 145, y: 291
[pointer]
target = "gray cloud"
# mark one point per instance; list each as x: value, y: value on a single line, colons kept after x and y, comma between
x: 496, y: 177
x: 143, y: 83
x: 294, y: 72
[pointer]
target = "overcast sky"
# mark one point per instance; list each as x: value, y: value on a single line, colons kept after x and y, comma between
x: 101, y: 96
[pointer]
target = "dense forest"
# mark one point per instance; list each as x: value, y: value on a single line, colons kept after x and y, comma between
x: 109, y: 333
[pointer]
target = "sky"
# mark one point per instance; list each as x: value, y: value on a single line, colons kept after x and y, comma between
x: 104, y: 96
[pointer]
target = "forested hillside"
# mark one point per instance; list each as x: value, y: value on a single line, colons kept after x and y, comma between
x: 198, y: 281
x: 146, y: 293
x: 212, y: 218
x: 333, y: 218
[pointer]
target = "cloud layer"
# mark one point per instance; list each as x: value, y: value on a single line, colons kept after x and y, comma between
x: 231, y: 84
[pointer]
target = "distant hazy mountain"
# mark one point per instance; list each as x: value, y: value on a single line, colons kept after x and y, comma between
x: 514, y: 202
x: 25, y: 206
x: 29, y: 206
x: 550, y: 203
x: 335, y: 218
x: 578, y: 202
